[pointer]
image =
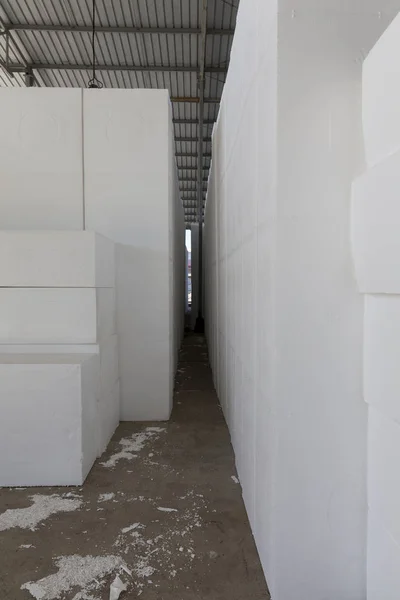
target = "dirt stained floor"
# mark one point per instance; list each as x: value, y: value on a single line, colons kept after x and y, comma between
x: 161, y: 509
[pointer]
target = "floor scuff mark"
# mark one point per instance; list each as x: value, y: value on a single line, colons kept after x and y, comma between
x: 41, y: 509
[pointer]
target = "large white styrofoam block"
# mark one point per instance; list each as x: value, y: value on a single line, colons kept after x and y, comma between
x: 195, y: 273
x: 146, y: 391
x: 48, y: 418
x: 110, y: 401
x: 41, y: 166
x: 106, y: 313
x: 176, y: 249
x: 383, y: 563
x: 109, y: 363
x: 375, y: 227
x: 108, y: 407
x: 48, y: 315
x: 383, y: 471
x: 143, y: 326
x: 128, y: 183
x: 49, y: 349
x: 126, y: 165
x: 109, y: 404
x: 381, y: 96
x: 186, y: 281
x: 56, y: 259
x: 57, y: 315
x: 381, y: 354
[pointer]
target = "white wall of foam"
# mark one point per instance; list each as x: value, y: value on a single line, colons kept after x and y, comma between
x: 283, y: 313
x: 374, y: 228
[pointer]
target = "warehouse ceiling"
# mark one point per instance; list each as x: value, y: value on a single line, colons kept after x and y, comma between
x: 139, y: 44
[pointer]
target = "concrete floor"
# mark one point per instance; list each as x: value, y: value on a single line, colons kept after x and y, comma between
x: 167, y: 516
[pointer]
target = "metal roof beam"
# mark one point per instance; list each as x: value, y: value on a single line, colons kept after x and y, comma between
x: 21, y: 51
x: 6, y: 68
x: 193, y: 180
x: 192, y: 155
x: 15, y: 68
x: 196, y: 99
x: 192, y: 139
x: 192, y: 122
x: 191, y: 189
x: 106, y: 29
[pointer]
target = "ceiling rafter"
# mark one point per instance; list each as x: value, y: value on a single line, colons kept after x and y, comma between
x: 192, y: 121
x: 118, y: 29
x: 17, y: 68
x: 192, y: 139
x: 193, y: 155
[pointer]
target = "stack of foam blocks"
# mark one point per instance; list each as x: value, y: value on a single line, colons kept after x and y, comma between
x: 376, y: 251
x: 59, y: 390
x: 58, y: 355
x: 85, y: 175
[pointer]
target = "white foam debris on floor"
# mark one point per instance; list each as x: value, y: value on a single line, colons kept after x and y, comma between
x: 85, y: 572
x: 137, y: 552
x: 125, y: 568
x: 133, y: 445
x: 117, y: 587
x: 130, y: 528
x: 155, y: 429
x: 84, y: 596
x: 42, y: 508
x: 142, y: 569
x: 235, y: 479
x: 159, y: 553
x: 106, y: 497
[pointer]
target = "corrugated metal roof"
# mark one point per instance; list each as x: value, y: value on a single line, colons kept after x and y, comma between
x: 132, y: 37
